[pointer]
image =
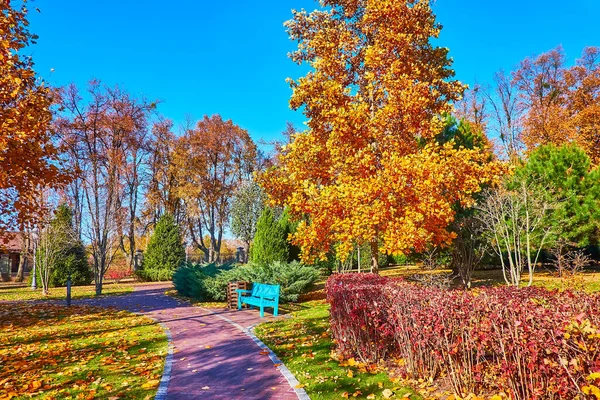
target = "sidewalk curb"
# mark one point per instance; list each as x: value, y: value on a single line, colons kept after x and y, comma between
x: 161, y: 393
x: 293, y: 382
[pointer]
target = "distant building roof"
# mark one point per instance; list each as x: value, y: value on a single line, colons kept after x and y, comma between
x: 11, y: 242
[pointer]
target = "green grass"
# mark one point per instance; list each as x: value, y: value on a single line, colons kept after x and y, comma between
x: 304, y: 344
x: 11, y: 293
x: 55, y: 352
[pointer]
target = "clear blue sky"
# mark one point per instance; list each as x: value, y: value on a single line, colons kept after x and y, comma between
x: 230, y: 57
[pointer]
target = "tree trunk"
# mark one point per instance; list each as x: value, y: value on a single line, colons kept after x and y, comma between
x: 23, y: 260
x: 375, y: 256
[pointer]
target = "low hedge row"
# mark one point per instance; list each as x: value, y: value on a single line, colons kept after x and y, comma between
x: 527, y: 343
x: 209, y: 282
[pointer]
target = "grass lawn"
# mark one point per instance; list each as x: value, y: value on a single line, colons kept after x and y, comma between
x: 12, y: 293
x: 304, y: 344
x: 55, y: 352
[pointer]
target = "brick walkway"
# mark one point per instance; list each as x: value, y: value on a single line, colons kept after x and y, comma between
x: 212, y: 358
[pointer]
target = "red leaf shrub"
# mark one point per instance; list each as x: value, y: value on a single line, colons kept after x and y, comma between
x: 117, y: 272
x: 527, y: 342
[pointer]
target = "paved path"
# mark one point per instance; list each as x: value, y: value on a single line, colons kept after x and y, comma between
x: 213, y: 358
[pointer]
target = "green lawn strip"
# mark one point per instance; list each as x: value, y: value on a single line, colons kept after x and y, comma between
x: 304, y: 344
x: 55, y: 352
x: 60, y: 293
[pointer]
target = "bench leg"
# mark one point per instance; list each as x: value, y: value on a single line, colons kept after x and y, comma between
x: 262, y: 311
x: 239, y: 302
x: 275, y: 309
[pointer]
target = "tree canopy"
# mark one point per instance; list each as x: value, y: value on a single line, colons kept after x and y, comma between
x: 368, y: 169
x: 27, y: 153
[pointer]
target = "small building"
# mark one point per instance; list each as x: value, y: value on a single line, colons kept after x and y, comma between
x: 11, y: 245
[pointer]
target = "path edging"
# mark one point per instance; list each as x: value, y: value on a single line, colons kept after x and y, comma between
x: 287, y: 374
x: 161, y: 393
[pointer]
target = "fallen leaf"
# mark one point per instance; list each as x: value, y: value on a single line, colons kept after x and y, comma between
x: 387, y: 393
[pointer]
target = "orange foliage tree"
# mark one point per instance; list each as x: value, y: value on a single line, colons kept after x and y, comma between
x: 211, y: 161
x: 27, y: 154
x: 368, y: 169
x: 561, y: 104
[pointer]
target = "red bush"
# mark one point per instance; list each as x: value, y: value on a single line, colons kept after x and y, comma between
x: 117, y: 272
x: 526, y: 342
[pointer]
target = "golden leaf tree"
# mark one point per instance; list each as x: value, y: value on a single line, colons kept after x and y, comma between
x: 368, y: 169
x: 211, y: 161
x: 27, y: 154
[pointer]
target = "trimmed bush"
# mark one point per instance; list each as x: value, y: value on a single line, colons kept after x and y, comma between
x: 294, y: 278
x: 165, y: 251
x: 209, y: 282
x: 189, y: 280
x: 525, y: 342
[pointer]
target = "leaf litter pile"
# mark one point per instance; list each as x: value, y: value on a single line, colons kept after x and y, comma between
x: 49, y: 351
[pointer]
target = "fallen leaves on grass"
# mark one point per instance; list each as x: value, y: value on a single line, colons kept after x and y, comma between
x: 81, y: 352
x: 304, y: 344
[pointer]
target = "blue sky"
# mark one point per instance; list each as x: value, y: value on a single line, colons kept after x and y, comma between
x: 204, y: 57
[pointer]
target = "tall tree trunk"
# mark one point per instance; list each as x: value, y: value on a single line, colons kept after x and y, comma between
x: 23, y: 259
x: 375, y: 256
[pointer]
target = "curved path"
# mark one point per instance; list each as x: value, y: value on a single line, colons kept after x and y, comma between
x: 213, y: 356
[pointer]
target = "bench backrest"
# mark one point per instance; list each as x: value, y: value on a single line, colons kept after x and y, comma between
x: 265, y: 290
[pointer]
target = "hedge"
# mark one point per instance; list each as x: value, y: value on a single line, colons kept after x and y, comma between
x: 523, y: 342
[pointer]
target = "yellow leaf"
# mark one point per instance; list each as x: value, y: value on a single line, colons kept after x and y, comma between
x: 350, y: 373
x: 387, y: 393
x: 151, y: 384
x: 371, y: 396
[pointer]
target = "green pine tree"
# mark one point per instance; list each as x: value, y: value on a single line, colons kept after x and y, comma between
x: 269, y: 244
x: 165, y: 251
x: 567, y: 177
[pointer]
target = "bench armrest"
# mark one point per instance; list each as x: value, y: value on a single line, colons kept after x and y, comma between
x: 240, y: 291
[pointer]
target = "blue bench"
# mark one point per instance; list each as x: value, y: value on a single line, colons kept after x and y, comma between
x: 262, y: 295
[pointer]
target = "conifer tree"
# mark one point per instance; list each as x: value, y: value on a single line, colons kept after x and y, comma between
x: 565, y: 173
x: 165, y: 251
x: 269, y: 243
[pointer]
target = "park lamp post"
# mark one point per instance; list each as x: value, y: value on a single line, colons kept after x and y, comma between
x: 138, y: 260
x: 34, y: 269
x: 69, y: 290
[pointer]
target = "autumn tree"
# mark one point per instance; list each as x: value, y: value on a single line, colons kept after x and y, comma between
x: 543, y: 95
x: 505, y: 115
x: 211, y: 161
x: 161, y: 183
x: 560, y: 104
x: 103, y: 131
x: 584, y: 101
x: 368, y: 169
x: 27, y: 152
